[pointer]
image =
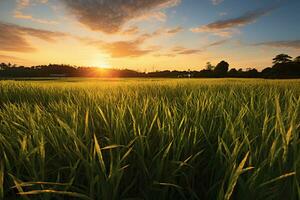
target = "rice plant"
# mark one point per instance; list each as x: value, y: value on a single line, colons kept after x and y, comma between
x: 150, y: 139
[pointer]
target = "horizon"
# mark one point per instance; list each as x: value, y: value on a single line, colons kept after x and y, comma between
x: 148, y: 35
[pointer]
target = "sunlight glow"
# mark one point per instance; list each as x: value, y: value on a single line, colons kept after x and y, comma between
x: 100, y: 63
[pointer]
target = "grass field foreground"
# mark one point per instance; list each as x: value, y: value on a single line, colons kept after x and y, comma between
x: 150, y: 139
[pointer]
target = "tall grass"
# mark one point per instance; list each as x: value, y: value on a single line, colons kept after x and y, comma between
x: 150, y: 139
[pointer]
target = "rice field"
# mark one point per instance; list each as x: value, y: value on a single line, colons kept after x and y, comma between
x: 150, y: 139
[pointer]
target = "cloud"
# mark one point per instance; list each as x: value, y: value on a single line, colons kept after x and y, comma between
x: 223, y: 14
x: 294, y: 44
x: 133, y: 47
x: 178, y: 50
x: 164, y: 32
x: 125, y: 49
x: 216, y: 2
x: 217, y: 43
x: 23, y: 3
x: 185, y: 51
x: 26, y: 3
x: 133, y: 30
x: 13, y: 37
x: 118, y: 49
x: 110, y: 16
x: 14, y: 59
x: 19, y: 14
x: 229, y: 26
x: 174, y: 30
x: 165, y: 55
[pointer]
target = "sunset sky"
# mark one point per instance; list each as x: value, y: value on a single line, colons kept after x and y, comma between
x: 148, y: 35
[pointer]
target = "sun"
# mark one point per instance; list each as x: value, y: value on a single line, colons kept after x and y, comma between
x: 101, y: 63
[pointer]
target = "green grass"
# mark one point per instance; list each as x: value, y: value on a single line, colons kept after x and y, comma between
x: 150, y: 139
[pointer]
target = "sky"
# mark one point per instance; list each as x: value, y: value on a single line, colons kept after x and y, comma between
x: 147, y: 35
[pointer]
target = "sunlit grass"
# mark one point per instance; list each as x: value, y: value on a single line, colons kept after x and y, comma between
x: 150, y: 139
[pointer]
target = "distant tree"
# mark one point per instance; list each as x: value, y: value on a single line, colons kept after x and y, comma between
x: 222, y: 67
x: 267, y: 72
x: 282, y: 58
x: 233, y: 70
x: 297, y: 59
x: 252, y: 73
x: 3, y: 66
x: 233, y: 73
x: 209, y: 66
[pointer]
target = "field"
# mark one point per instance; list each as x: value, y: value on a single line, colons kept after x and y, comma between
x: 150, y: 139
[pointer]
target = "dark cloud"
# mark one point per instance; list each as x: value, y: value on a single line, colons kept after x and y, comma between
x: 13, y: 37
x: 109, y: 16
x: 226, y: 27
x: 295, y: 44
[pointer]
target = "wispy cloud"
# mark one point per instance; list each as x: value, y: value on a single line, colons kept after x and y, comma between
x: 13, y: 37
x: 118, y: 49
x: 5, y: 58
x: 178, y: 50
x: 164, y: 32
x: 295, y: 44
x: 230, y: 26
x: 132, y: 30
x: 174, y: 30
x: 19, y: 14
x: 125, y: 49
x: 223, y: 14
x: 110, y: 16
x: 217, y: 43
x: 185, y: 51
x: 216, y: 2
x: 133, y: 47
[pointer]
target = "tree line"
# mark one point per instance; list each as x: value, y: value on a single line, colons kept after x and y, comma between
x: 283, y: 67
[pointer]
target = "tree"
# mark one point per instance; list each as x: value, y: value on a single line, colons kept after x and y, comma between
x: 282, y: 58
x: 209, y: 66
x: 297, y: 59
x: 233, y: 70
x: 222, y: 67
x: 3, y: 66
